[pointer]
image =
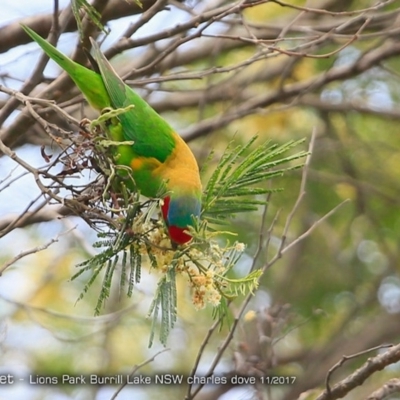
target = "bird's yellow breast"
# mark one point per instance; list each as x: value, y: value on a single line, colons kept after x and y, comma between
x: 180, y: 170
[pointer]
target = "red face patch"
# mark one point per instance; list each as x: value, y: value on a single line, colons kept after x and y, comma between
x: 176, y: 234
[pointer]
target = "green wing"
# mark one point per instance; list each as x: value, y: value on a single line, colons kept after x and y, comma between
x: 152, y: 135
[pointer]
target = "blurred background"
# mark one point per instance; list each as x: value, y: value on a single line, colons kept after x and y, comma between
x: 218, y: 72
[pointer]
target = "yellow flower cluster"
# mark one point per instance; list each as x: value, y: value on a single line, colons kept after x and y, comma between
x: 160, y: 244
x: 204, y: 287
x: 204, y: 269
x: 206, y: 273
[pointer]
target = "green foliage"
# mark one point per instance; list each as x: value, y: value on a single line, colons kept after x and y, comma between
x: 91, y: 12
x: 232, y: 187
x: 118, y: 242
x: 135, y: 238
x: 166, y: 297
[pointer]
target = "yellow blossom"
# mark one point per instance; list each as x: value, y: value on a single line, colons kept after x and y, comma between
x: 193, y: 270
x: 240, y: 247
x: 250, y: 315
x: 199, y: 280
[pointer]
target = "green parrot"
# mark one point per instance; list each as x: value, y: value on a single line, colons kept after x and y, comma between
x: 158, y: 155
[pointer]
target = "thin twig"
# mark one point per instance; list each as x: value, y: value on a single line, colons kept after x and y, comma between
x: 34, y: 250
x: 261, y: 233
x: 334, y: 13
x: 136, y: 368
x: 350, y: 357
x: 313, y: 226
x: 145, y: 17
x: 302, y: 192
x: 358, y: 377
x: 202, y: 347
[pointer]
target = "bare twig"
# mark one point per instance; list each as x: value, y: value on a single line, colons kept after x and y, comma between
x: 365, y: 62
x: 136, y: 368
x: 261, y: 233
x: 313, y: 226
x: 37, y: 74
x: 350, y: 357
x: 390, y: 387
x: 334, y: 13
x: 145, y: 17
x: 34, y: 250
x: 357, y: 378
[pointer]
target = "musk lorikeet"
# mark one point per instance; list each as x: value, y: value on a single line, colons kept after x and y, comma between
x: 158, y: 155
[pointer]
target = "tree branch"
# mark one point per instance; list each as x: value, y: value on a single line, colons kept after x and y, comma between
x: 358, y: 377
x: 12, y: 34
x: 390, y: 387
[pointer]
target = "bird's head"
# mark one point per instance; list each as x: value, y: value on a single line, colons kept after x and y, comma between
x: 178, y: 213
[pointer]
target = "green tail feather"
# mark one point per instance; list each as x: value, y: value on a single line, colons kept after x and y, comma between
x: 88, y: 81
